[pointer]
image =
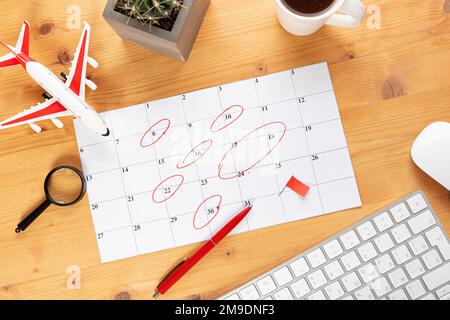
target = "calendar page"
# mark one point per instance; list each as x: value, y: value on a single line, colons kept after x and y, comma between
x: 174, y: 171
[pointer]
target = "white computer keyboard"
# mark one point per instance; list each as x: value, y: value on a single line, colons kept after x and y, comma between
x: 401, y: 252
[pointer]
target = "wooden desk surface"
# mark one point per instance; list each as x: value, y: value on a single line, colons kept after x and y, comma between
x: 390, y: 83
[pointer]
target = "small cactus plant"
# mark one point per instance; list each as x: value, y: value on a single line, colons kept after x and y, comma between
x: 152, y: 12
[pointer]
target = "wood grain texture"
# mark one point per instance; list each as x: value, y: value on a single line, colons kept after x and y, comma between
x: 390, y: 83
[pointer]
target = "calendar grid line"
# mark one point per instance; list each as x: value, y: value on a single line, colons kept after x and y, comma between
x: 287, y: 191
x: 268, y: 145
x: 196, y: 170
x: 307, y: 141
x: 216, y: 146
x: 142, y: 193
x: 213, y: 177
x: 234, y: 163
x: 160, y: 178
x: 124, y: 190
x: 212, y: 118
x: 220, y: 115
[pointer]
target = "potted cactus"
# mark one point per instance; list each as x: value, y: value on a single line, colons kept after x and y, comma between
x: 166, y: 26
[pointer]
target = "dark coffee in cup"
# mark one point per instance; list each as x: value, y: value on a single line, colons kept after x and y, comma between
x: 309, y: 7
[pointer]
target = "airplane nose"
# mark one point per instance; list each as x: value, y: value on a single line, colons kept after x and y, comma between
x: 107, y: 133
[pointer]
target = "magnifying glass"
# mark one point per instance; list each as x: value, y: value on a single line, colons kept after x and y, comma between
x: 64, y: 186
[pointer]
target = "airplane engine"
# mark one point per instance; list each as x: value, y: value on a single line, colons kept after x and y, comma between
x: 57, y: 123
x: 91, y: 85
x: 92, y: 62
x: 35, y: 127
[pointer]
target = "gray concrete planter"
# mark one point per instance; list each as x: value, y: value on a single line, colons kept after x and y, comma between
x: 177, y: 43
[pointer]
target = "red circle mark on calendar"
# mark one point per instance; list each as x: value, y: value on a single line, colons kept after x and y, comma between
x: 158, y: 137
x: 197, y: 152
x: 167, y: 191
x: 217, y: 207
x: 256, y: 162
x: 227, y: 110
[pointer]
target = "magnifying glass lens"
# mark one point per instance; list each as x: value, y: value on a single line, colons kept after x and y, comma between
x: 64, y: 186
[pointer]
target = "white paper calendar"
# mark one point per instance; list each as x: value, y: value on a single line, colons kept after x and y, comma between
x: 174, y: 171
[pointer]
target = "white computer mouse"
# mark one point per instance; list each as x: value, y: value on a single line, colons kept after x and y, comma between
x: 431, y: 152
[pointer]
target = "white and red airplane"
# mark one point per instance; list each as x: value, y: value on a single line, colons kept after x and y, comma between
x: 61, y: 98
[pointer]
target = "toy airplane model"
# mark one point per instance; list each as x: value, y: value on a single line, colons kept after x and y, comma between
x: 62, y: 98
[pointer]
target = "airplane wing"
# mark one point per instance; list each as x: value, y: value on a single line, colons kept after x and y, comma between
x: 8, y: 60
x: 50, y: 109
x: 76, y: 80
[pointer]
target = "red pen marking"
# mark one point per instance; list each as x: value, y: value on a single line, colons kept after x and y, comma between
x: 166, y: 128
x: 198, y: 152
x: 247, y: 168
x: 241, y: 111
x: 168, y: 190
x: 297, y: 186
x: 217, y: 206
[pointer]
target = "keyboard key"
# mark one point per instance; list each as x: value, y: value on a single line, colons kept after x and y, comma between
x: 383, y: 221
x: 383, y: 242
x: 334, y: 270
x: 418, y: 245
x: 417, y: 203
x: 414, y: 268
x: 364, y: 294
x: 317, y: 296
x: 398, y: 295
x: 443, y: 291
x: 384, y: 263
x: 300, y: 267
x: 447, y: 297
x: 368, y: 272
x: 428, y: 297
x: 432, y: 259
x: 400, y: 212
x: 437, y: 238
x: 283, y: 276
x: 422, y: 222
x: 398, y: 278
x: 317, y: 279
x: 401, y: 233
x: 334, y: 291
x: 381, y: 287
x: 300, y: 288
x: 283, y: 294
x: 401, y: 254
x: 250, y: 293
x: 415, y: 289
x: 367, y: 251
x: 266, y: 285
x: 350, y: 240
x: 333, y: 249
x: 350, y: 261
x: 351, y: 282
x: 366, y: 230
x: 316, y: 258
x: 437, y: 277
x: 233, y: 297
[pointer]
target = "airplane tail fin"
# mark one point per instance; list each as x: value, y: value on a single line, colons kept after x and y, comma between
x: 23, y: 43
x: 22, y: 46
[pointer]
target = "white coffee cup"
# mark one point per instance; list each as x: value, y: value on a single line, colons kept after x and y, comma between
x: 342, y: 13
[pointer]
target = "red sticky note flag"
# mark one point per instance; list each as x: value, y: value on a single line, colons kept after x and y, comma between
x: 297, y: 186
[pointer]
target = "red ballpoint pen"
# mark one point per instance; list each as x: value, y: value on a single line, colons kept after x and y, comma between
x: 184, y: 266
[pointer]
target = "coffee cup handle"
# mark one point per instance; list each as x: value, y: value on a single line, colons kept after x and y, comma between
x: 350, y: 14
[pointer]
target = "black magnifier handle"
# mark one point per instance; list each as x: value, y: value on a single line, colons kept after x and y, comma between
x: 32, y: 216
